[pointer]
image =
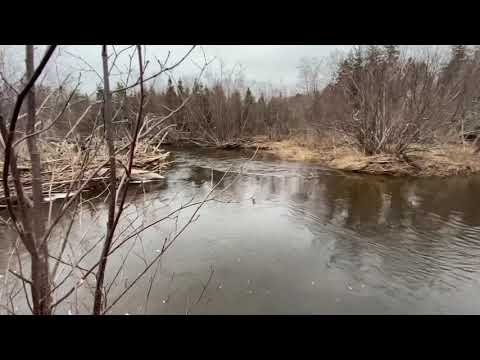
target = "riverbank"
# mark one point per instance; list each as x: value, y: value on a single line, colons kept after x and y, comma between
x: 420, y: 161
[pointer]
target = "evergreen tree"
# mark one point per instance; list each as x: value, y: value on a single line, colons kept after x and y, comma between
x: 316, y: 107
x: 219, y: 109
x: 344, y: 71
x: 151, y: 91
x: 180, y: 89
x: 459, y: 53
x: 186, y: 91
x: 248, y: 108
x: 373, y: 55
x: 352, y: 68
x: 261, y: 118
x: 235, y: 107
x: 99, y: 93
x: 357, y: 58
x: 458, y: 58
x: 249, y: 99
x: 476, y: 54
x: 261, y: 99
x: 205, y: 104
x: 197, y: 88
x: 171, y: 95
x: 120, y: 93
x: 272, y: 116
x: 392, y: 53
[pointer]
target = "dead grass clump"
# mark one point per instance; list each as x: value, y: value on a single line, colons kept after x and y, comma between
x: 420, y: 160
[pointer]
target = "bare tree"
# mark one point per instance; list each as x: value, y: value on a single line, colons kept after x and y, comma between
x: 88, y: 168
x: 30, y: 232
x: 387, y: 105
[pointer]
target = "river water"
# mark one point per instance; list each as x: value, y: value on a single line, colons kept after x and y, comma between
x: 290, y: 237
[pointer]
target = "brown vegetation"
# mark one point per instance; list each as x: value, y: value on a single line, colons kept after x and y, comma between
x: 66, y: 161
x: 446, y: 160
x: 382, y: 105
x: 378, y: 100
x: 381, y: 112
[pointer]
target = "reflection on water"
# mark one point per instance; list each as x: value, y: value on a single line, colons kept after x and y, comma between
x: 296, y: 238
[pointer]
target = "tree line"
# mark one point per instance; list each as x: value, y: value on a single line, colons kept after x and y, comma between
x: 378, y: 97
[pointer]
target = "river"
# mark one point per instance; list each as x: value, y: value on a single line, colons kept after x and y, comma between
x: 291, y: 237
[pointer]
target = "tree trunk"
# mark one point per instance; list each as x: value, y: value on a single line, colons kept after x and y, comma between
x: 98, y: 301
x: 40, y: 267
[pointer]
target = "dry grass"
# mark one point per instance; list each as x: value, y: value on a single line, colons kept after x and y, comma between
x: 64, y: 165
x: 445, y: 160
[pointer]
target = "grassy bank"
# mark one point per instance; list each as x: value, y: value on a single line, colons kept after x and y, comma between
x: 445, y: 160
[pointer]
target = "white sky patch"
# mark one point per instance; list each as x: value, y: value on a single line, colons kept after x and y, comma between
x: 263, y: 66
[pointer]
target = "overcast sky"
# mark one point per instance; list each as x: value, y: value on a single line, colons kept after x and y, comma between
x: 275, y: 64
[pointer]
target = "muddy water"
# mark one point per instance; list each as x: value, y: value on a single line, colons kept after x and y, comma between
x: 292, y: 238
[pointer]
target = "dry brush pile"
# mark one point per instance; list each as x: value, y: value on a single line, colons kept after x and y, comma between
x: 66, y: 166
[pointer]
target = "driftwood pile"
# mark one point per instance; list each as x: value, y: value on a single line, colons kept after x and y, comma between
x: 65, y: 167
x: 234, y: 144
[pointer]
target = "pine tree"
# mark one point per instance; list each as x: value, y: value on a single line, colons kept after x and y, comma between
x: 205, y: 104
x: 119, y: 93
x: 249, y: 99
x: 99, y: 93
x: 261, y: 99
x: 458, y: 58
x: 180, y: 89
x: 476, y: 54
x: 316, y: 107
x: 262, y: 117
x: 235, y: 107
x: 353, y: 68
x: 151, y: 91
x: 392, y: 53
x: 343, y: 72
x: 171, y: 95
x: 374, y: 55
x: 197, y: 88
x: 459, y: 53
x: 272, y: 116
x: 357, y: 60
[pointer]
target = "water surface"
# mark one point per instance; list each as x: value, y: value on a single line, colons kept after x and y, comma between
x: 295, y: 238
